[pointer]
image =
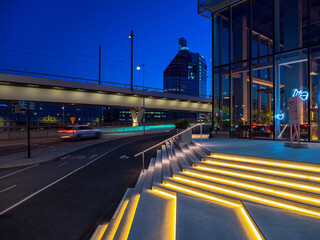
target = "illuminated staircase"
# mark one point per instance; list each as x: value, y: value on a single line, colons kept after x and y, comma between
x: 188, y: 192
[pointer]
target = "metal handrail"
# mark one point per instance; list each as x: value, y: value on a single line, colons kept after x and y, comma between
x: 168, y: 139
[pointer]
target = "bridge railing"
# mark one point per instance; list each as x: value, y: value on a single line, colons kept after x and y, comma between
x: 92, y: 81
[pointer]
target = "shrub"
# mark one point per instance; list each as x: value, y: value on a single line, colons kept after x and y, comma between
x: 182, y: 124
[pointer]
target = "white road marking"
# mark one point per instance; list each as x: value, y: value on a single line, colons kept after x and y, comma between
x: 60, y: 179
x: 63, y: 164
x: 93, y: 156
x: 7, y: 188
x: 124, y: 157
x: 10, y: 174
x: 63, y: 158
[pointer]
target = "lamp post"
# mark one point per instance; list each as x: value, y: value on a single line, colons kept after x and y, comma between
x: 131, y: 36
x: 143, y: 105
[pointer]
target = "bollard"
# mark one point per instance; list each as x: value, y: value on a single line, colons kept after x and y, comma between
x: 142, y: 162
x: 201, y: 132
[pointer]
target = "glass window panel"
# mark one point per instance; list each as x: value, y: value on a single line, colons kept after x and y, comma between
x: 315, y: 22
x: 262, y: 27
x: 291, y: 25
x: 291, y: 76
x: 240, y: 26
x: 221, y: 98
x: 240, y: 102
x: 262, y: 98
x: 315, y: 94
x: 221, y: 37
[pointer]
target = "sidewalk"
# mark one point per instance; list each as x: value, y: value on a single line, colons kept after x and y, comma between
x: 261, y: 148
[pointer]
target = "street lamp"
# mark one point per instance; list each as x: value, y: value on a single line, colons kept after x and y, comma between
x: 143, y: 106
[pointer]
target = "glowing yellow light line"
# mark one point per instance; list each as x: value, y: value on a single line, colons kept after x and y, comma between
x: 259, y: 199
x: 265, y: 162
x: 297, y: 175
x: 251, y: 224
x: 100, y: 231
x: 264, y: 189
x: 174, y: 210
x: 117, y: 220
x: 285, y: 183
x: 202, y: 195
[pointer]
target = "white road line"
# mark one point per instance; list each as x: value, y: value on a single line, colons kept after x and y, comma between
x: 10, y: 174
x: 7, y: 188
x: 60, y: 179
x: 63, y: 164
x: 93, y: 156
x: 63, y: 158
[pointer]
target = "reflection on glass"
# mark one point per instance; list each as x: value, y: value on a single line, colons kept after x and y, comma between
x: 262, y: 98
x: 315, y: 94
x: 221, y: 98
x: 240, y: 120
x: 221, y: 40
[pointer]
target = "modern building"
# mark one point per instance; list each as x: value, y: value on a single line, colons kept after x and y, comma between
x: 264, y: 52
x: 186, y: 74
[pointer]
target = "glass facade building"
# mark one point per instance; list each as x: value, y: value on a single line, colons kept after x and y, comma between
x: 264, y: 52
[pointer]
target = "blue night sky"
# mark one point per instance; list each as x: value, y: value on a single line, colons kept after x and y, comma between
x: 79, y: 27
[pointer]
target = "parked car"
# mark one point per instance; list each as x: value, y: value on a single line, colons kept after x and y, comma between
x: 79, y: 132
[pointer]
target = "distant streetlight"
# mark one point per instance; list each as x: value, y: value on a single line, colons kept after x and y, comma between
x: 143, y: 106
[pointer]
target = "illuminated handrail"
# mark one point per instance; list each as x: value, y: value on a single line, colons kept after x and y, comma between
x: 168, y: 139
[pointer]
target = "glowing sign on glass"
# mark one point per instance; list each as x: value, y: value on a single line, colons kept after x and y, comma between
x: 303, y: 95
x: 280, y: 116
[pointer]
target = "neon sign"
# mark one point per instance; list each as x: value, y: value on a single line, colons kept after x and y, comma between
x: 280, y: 116
x: 303, y: 95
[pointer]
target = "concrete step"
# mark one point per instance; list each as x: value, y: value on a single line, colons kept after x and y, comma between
x: 280, y: 224
x: 166, y: 168
x: 128, y: 216
x: 202, y: 219
x: 247, y: 223
x: 202, y: 147
x: 173, y: 160
x: 197, y: 151
x: 189, y: 155
x: 297, y: 165
x: 149, y: 177
x: 194, y: 184
x: 157, y: 178
x: 261, y: 177
x: 152, y: 219
x: 117, y: 217
x: 265, y: 188
x: 182, y: 161
x: 278, y: 171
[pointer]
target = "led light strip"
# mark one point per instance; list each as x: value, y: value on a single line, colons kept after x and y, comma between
x: 99, y: 232
x: 174, y: 197
x: 297, y: 175
x: 295, y: 185
x: 246, y: 218
x: 265, y: 162
x: 259, y: 199
x: 255, y: 187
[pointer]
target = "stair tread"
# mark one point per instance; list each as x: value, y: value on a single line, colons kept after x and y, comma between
x: 261, y: 177
x: 276, y: 223
x: 150, y: 172
x: 166, y: 169
x: 128, y: 216
x: 197, y: 150
x: 180, y: 157
x: 173, y: 161
x: 192, y: 158
x: 315, y: 210
x: 157, y: 177
x: 307, y: 175
x: 194, y: 214
x: 151, y: 219
x: 256, y: 186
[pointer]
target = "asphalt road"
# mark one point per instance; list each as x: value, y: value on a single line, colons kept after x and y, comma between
x: 60, y: 199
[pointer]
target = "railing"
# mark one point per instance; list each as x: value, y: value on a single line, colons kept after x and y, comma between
x: 95, y: 81
x: 170, y: 141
